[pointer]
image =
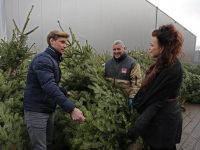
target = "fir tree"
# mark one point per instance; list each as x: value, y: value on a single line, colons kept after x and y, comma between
x: 143, y: 58
x: 106, y: 109
x: 13, y: 69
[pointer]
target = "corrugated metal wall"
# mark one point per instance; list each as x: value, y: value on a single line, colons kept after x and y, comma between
x: 189, y: 38
x: 98, y: 21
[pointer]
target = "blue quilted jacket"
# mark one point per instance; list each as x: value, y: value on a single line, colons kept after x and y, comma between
x: 42, y: 92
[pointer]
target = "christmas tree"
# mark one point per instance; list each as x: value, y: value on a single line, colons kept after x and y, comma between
x: 191, y: 80
x: 13, y: 69
x: 108, y: 116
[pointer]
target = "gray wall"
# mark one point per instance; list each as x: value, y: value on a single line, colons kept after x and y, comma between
x: 2, y: 20
x: 189, y: 43
x: 197, y: 57
x: 98, y: 21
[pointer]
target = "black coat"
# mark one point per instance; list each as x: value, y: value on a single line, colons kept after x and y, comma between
x: 160, y: 122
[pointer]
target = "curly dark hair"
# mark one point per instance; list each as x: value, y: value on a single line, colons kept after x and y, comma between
x: 171, y: 40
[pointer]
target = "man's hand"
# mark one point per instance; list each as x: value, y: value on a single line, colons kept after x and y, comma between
x: 77, y: 115
x: 68, y: 94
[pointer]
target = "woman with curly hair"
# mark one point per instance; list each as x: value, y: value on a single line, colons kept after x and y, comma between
x: 160, y: 121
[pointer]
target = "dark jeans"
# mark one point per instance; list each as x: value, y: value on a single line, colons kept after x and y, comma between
x: 40, y: 128
x: 174, y: 148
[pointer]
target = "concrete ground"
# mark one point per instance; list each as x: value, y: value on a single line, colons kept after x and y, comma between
x: 191, y: 128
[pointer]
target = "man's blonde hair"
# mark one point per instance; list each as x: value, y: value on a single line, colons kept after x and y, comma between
x: 55, y: 34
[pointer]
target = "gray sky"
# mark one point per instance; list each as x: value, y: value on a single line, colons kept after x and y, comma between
x: 185, y: 12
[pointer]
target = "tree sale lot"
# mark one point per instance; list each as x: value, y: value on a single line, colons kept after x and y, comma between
x: 108, y: 116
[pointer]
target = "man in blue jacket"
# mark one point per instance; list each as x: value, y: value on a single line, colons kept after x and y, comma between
x: 42, y: 92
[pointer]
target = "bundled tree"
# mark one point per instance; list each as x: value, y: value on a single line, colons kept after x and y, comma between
x: 190, y: 88
x: 190, y: 67
x: 13, y: 67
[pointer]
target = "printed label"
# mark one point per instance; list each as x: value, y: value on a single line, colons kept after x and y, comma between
x: 124, y: 70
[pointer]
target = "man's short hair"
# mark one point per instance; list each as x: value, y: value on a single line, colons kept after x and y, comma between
x: 119, y: 42
x: 55, y: 34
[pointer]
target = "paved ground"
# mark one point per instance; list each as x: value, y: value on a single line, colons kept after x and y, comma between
x: 191, y: 128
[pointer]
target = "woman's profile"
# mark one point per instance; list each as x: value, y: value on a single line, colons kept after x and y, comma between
x: 160, y: 121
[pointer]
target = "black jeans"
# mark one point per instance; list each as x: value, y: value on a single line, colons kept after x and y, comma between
x: 152, y: 148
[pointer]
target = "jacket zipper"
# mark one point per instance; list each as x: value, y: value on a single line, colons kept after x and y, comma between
x: 135, y: 80
x: 114, y: 79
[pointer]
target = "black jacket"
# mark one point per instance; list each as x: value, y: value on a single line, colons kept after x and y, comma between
x: 114, y: 67
x: 42, y: 92
x: 160, y: 122
x: 124, y: 72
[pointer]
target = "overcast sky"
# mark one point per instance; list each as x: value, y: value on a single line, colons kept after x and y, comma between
x: 185, y: 12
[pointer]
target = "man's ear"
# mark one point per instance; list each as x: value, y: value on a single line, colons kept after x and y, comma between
x: 51, y: 41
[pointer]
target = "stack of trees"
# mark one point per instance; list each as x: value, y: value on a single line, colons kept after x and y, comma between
x: 106, y: 109
x: 108, y: 116
x: 190, y: 89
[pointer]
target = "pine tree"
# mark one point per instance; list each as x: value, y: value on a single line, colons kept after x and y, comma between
x: 106, y: 109
x: 108, y: 116
x: 13, y: 69
x: 190, y: 87
x: 143, y: 58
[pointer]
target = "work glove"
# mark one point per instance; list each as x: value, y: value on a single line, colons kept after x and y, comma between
x: 130, y: 103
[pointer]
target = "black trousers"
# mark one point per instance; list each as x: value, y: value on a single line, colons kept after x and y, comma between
x: 152, y: 148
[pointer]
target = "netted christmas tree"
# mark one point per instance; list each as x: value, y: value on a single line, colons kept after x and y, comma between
x: 13, y: 69
x: 191, y: 83
x: 108, y: 116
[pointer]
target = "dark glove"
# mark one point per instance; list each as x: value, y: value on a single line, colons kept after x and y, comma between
x: 130, y: 103
x: 133, y: 133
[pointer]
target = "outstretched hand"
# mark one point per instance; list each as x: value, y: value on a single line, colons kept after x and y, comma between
x: 77, y: 115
